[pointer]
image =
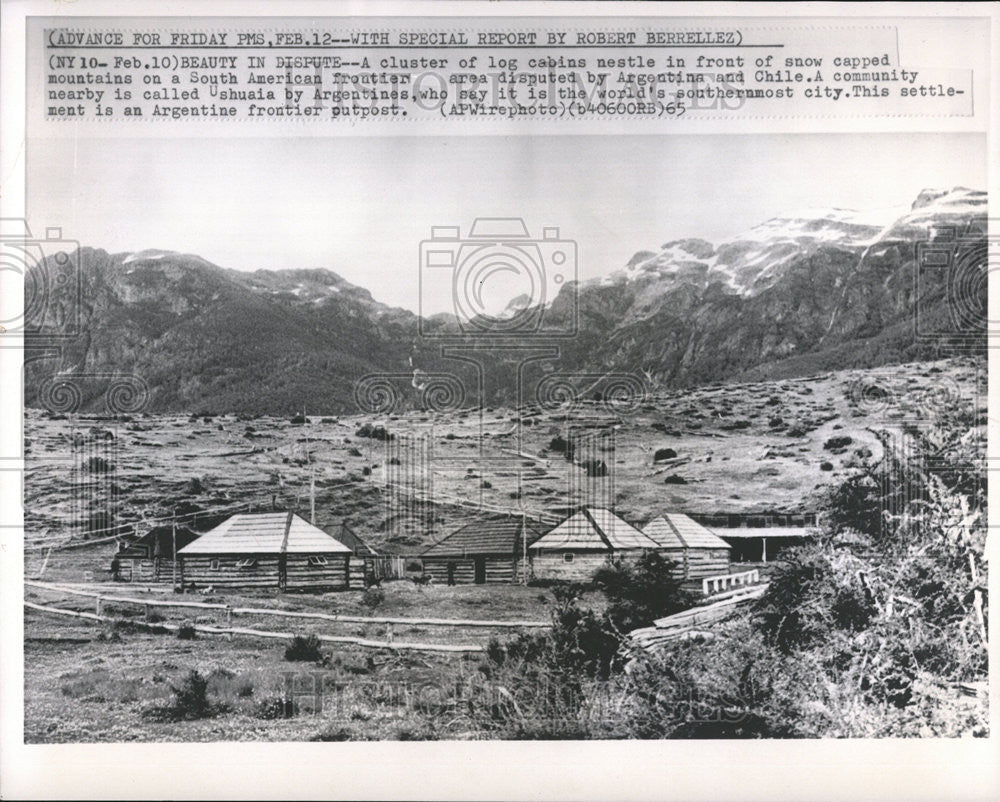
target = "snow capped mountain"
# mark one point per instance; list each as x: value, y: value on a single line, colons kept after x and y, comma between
x: 796, y: 294
x: 756, y: 259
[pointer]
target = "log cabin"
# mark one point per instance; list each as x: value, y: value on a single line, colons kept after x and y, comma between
x: 695, y: 550
x: 586, y: 541
x: 266, y: 551
x: 150, y: 558
x: 489, y: 550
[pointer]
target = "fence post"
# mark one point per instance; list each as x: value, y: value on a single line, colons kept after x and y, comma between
x: 146, y: 610
x: 229, y: 621
x: 98, y: 606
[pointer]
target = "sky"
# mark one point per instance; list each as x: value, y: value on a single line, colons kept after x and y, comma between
x: 361, y: 206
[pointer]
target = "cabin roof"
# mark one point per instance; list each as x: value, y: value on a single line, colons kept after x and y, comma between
x: 158, y: 541
x: 766, y: 531
x: 266, y: 533
x: 676, y: 530
x: 498, y: 535
x: 349, y: 538
x: 594, y: 528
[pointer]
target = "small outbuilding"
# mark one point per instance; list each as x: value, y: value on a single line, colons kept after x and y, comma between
x: 697, y: 552
x: 150, y: 558
x: 489, y: 550
x: 585, y: 542
x: 266, y: 551
x: 366, y: 563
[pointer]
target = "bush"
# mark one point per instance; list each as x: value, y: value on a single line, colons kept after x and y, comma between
x: 186, y: 631
x: 190, y: 701
x: 536, y: 682
x: 275, y: 707
x: 561, y: 446
x: 304, y: 649
x: 664, y: 453
x: 191, y: 696
x: 373, y: 598
x: 595, y: 467
x: 375, y: 432
x: 641, y: 591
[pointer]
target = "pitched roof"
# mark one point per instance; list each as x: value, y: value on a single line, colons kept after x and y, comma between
x: 499, y: 535
x: 678, y: 531
x: 157, y: 542
x: 594, y: 528
x: 349, y: 538
x: 266, y: 533
x: 766, y: 531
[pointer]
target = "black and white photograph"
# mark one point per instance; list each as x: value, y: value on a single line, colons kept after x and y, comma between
x: 418, y: 434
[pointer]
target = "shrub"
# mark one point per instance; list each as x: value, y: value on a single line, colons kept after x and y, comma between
x: 304, y: 649
x: 373, y: 598
x: 375, y: 432
x: 535, y: 682
x: 641, y: 591
x: 664, y: 453
x: 186, y: 631
x: 274, y: 707
x: 562, y: 446
x: 190, y: 701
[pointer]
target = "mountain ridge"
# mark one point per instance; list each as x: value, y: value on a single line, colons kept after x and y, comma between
x: 794, y: 293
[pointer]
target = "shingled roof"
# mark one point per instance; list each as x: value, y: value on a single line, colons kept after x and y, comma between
x: 500, y: 535
x: 595, y: 528
x: 678, y: 531
x: 266, y: 533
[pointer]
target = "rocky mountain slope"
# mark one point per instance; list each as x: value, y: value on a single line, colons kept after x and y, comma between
x: 817, y: 290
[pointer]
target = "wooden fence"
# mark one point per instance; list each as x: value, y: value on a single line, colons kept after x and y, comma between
x: 722, y: 582
x: 346, y: 619
x: 149, y: 604
x: 256, y: 633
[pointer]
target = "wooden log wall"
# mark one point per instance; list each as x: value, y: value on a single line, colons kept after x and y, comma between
x: 553, y: 565
x: 706, y: 562
x: 301, y: 575
x: 198, y: 570
x: 437, y: 569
